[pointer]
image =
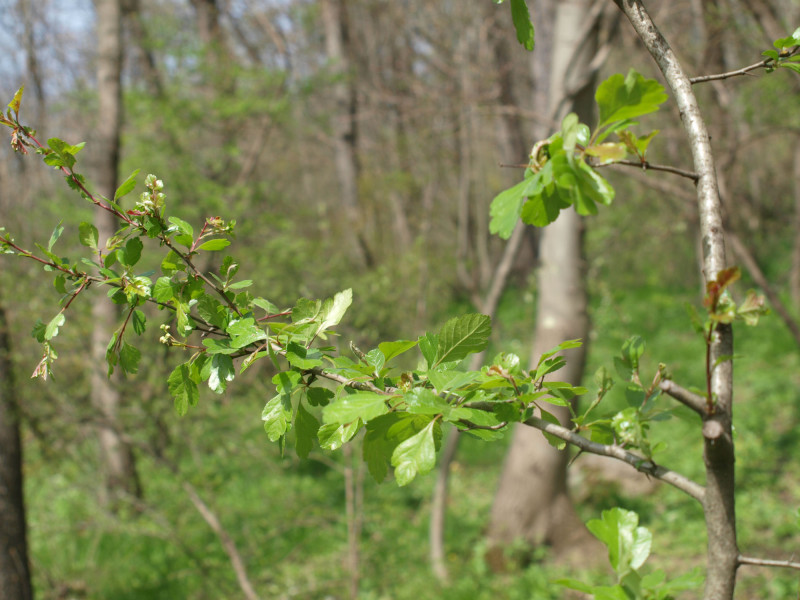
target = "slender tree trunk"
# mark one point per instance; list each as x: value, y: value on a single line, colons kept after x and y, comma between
x: 15, y: 577
x: 718, y: 452
x: 345, y: 123
x: 120, y: 467
x: 532, y: 501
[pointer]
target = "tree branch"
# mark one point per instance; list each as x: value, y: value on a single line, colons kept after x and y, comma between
x: 768, y: 562
x: 643, y: 465
x: 694, y: 401
x: 764, y: 64
x: 647, y: 166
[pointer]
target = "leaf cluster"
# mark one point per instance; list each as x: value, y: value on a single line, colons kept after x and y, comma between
x: 561, y: 171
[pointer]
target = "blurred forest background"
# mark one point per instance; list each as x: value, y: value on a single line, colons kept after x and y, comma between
x: 358, y: 143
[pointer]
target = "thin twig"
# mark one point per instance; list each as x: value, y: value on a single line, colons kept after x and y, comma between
x: 648, y: 166
x: 768, y: 562
x: 764, y: 64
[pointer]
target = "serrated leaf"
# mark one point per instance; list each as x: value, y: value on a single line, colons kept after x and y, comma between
x: 620, y: 98
x: 277, y: 416
x: 522, y: 23
x: 505, y: 209
x: 416, y: 455
x: 214, y: 245
x: 461, y: 336
x: 127, y: 186
x: 319, y: 396
x: 222, y: 372
x: 392, y: 349
x: 554, y: 441
x: 306, y: 427
x: 16, y: 101
x: 333, y: 436
x: 361, y: 405
x: 88, y: 235
x: 129, y: 357
x: 333, y: 310
x: 182, y: 389
x: 132, y: 252
x: 51, y: 330
x: 139, y: 321
x: 628, y: 545
x: 244, y: 332
x: 57, y: 231
x: 429, y: 345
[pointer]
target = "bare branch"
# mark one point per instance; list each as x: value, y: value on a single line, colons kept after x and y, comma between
x: 647, y: 166
x: 639, y: 463
x: 764, y: 64
x: 768, y: 562
x: 694, y: 401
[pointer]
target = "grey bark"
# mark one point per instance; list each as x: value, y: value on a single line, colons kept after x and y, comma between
x: 15, y: 576
x: 532, y: 501
x: 718, y: 455
x: 117, y: 456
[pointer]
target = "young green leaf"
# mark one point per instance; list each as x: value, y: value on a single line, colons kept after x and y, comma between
x: 306, y: 427
x: 277, y: 416
x: 88, y: 235
x: 505, y: 209
x: 127, y: 186
x: 628, y: 545
x: 361, y: 405
x: 182, y: 388
x: 620, y: 98
x: 415, y: 455
x: 522, y: 23
x: 461, y: 336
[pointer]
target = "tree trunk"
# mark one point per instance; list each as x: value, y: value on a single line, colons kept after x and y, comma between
x: 120, y: 468
x: 15, y: 577
x: 532, y: 501
x: 345, y: 124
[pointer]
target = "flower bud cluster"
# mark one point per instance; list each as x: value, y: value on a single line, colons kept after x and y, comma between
x: 152, y: 201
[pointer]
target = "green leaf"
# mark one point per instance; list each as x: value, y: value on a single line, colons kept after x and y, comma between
x: 163, y: 290
x: 422, y: 401
x: 244, y: 332
x: 129, y: 357
x: 222, y: 372
x: 333, y: 436
x: 505, y: 209
x: 554, y: 441
x: 57, y: 231
x: 415, y: 455
x: 542, y: 209
x: 461, y: 336
x: 302, y: 358
x: 88, y: 235
x: 333, y: 310
x: 214, y: 245
x: 628, y: 545
x: 319, y: 396
x: 219, y: 346
x: 16, y: 101
x: 211, y: 310
x: 429, y: 345
x: 306, y: 428
x: 632, y: 350
x: 132, y: 252
x: 392, y: 349
x: 127, y: 186
x: 522, y: 23
x: 620, y: 98
x: 182, y: 388
x: 51, y: 330
x: 139, y: 321
x: 361, y: 405
x: 277, y: 416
